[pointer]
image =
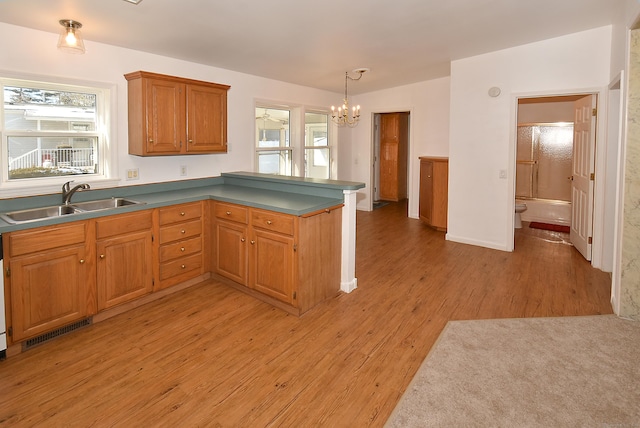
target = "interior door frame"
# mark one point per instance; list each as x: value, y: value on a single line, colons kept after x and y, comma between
x: 599, y: 167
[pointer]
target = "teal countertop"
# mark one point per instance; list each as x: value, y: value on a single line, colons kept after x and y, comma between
x: 290, y: 195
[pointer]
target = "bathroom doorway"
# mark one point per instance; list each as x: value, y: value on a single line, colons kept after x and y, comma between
x: 555, y: 148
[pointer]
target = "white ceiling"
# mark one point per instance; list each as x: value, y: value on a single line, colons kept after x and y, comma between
x: 314, y: 43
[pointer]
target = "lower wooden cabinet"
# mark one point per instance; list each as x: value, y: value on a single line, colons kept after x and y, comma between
x: 180, y: 244
x: 294, y: 260
x: 124, y: 258
x: 434, y: 185
x: 51, y: 280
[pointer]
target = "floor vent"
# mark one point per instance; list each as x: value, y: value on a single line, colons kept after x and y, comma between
x: 55, y: 333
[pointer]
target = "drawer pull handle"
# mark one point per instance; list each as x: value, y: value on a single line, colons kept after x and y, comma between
x: 81, y: 261
x: 183, y: 266
x: 242, y: 239
x: 269, y: 222
x: 253, y: 242
x: 102, y: 256
x: 183, y: 231
x: 228, y: 212
x: 182, y: 213
x: 151, y: 140
x: 182, y: 249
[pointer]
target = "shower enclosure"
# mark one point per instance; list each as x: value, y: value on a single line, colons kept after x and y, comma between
x: 544, y: 156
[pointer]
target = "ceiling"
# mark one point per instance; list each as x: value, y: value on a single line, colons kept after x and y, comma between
x: 313, y: 44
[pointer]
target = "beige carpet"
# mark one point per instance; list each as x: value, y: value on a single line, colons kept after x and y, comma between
x: 533, y: 372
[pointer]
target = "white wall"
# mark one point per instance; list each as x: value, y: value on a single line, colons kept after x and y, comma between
x: 34, y: 52
x: 482, y: 128
x: 428, y: 103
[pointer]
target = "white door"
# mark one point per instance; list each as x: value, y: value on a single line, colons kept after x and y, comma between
x: 584, y: 141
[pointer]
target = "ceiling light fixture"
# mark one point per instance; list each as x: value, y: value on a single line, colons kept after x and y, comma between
x: 343, y: 117
x: 70, y: 39
x: 133, y: 1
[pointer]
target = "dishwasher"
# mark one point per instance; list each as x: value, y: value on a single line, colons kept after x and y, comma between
x: 3, y: 325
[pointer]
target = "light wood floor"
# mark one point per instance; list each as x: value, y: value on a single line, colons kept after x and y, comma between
x: 213, y: 356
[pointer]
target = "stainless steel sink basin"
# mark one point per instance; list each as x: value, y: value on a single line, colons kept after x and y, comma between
x: 104, y: 204
x: 35, y: 214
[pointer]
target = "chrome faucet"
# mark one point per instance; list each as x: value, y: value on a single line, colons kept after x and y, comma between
x: 67, y: 191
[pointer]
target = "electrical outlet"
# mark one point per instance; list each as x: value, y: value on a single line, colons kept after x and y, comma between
x: 502, y: 174
x: 183, y: 170
x: 132, y: 174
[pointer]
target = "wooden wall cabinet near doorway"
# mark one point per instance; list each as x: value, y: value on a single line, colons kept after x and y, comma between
x: 394, y: 142
x: 175, y: 116
x: 434, y: 189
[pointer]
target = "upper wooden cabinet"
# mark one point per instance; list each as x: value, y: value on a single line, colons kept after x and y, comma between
x: 175, y: 116
x: 394, y: 141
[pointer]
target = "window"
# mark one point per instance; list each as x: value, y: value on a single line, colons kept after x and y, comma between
x: 287, y: 150
x: 52, y: 131
x: 317, y: 154
x: 273, y: 149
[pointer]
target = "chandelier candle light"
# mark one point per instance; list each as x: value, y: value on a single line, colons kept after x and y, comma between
x: 342, y: 116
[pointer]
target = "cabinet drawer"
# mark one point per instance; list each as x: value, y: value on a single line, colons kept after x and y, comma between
x: 180, y: 266
x: 123, y: 224
x: 232, y: 212
x: 180, y: 231
x: 176, y: 213
x: 275, y: 222
x: 41, y: 239
x: 180, y: 249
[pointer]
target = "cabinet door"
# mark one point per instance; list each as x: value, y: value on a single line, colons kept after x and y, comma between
x: 426, y: 191
x: 49, y: 290
x: 165, y: 116
x: 231, y: 251
x: 271, y: 265
x: 124, y: 268
x: 206, y: 119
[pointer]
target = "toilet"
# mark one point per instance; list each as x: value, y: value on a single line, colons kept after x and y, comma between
x: 520, y: 207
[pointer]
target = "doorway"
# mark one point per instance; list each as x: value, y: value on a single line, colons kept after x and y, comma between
x: 391, y: 153
x: 555, y: 150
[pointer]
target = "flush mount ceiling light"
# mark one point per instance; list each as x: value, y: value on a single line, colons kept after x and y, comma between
x: 343, y: 117
x: 70, y: 39
x: 133, y: 1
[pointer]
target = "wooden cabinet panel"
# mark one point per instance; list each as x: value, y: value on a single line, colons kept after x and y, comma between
x: 124, y: 251
x: 434, y: 185
x: 271, y: 265
x: 180, y: 231
x: 231, y: 212
x: 47, y: 238
x: 124, y: 268
x: 179, y: 213
x: 180, y: 249
x: 394, y: 146
x: 231, y: 251
x: 181, y: 267
x: 175, y: 116
x: 273, y: 221
x: 206, y: 119
x: 49, y: 290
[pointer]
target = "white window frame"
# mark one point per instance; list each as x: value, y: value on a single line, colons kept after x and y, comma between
x: 329, y: 147
x: 297, y: 143
x: 105, y: 129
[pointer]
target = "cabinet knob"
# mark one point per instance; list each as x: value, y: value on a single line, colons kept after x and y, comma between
x: 151, y: 140
x: 182, y: 213
x: 182, y: 266
x: 242, y: 239
x: 183, y: 231
x: 269, y: 222
x: 253, y: 242
x: 81, y: 261
x: 102, y: 256
x: 190, y: 141
x: 182, y: 249
x: 228, y: 213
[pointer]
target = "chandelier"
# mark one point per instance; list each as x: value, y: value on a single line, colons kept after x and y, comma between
x: 343, y: 116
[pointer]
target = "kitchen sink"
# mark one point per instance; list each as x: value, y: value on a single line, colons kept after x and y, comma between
x: 104, y: 204
x: 35, y: 214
